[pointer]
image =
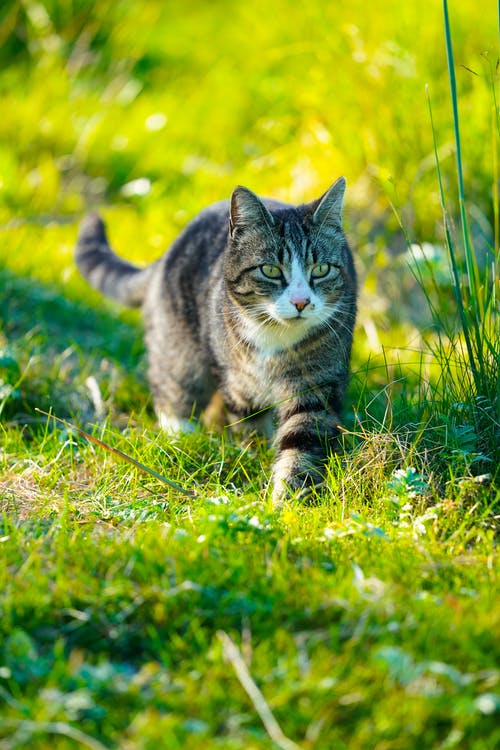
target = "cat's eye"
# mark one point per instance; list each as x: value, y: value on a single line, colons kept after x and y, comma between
x: 271, y: 271
x: 320, y: 270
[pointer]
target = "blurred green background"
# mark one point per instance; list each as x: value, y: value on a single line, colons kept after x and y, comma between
x: 158, y: 108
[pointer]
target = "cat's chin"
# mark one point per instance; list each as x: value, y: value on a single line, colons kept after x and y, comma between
x: 283, y: 334
x: 294, y: 320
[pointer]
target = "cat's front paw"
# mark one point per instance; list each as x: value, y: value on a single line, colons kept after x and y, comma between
x: 296, y: 476
x: 306, y: 493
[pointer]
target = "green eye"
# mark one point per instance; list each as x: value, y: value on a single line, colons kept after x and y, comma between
x: 320, y: 270
x: 271, y: 271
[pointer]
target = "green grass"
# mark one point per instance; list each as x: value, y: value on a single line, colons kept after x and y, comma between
x: 133, y: 616
x: 370, y: 617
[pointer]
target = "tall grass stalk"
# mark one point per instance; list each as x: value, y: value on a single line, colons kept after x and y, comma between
x: 470, y: 356
x: 470, y: 257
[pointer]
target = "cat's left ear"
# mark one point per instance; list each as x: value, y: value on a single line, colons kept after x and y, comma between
x: 247, y: 210
x: 328, y: 212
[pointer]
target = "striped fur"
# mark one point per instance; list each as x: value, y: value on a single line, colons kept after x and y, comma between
x: 255, y: 300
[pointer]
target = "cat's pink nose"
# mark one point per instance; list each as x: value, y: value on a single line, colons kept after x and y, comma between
x: 300, y: 302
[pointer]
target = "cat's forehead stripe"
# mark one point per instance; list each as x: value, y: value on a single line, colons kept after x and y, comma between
x: 293, y: 233
x: 294, y: 237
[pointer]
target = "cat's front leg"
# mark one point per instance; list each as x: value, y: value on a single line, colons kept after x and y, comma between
x: 308, y: 430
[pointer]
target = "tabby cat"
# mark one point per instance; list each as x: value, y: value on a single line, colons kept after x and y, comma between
x: 256, y: 299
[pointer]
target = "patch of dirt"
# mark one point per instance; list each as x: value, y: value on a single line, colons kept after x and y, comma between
x: 21, y: 496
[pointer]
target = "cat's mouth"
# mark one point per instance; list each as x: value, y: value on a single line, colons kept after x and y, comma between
x: 294, y: 320
x: 278, y: 320
x: 274, y: 319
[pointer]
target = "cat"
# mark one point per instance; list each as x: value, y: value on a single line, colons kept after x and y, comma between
x: 255, y: 300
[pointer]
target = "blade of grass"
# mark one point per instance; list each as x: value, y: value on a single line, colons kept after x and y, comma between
x: 119, y: 453
x: 449, y: 243
x: 34, y: 728
x: 495, y: 141
x: 233, y: 655
x: 469, y: 253
x: 478, y: 311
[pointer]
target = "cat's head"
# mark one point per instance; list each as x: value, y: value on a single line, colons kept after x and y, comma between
x: 287, y: 269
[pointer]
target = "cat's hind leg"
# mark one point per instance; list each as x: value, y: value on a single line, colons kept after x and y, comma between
x: 179, y: 372
x: 173, y: 425
x: 181, y: 391
x: 179, y: 405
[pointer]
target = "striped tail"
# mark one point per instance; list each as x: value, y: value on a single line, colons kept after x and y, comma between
x: 104, y: 270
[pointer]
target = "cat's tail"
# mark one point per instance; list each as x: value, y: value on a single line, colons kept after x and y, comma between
x: 104, y: 270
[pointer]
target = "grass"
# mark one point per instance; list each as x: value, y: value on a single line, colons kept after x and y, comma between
x: 133, y: 616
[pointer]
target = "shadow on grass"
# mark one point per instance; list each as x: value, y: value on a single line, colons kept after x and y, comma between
x: 51, y: 344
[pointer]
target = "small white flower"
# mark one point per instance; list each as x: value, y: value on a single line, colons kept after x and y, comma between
x: 254, y: 521
x: 139, y: 187
x: 487, y: 703
x: 156, y: 121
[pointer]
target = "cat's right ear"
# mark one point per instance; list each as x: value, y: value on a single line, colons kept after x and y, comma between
x: 328, y: 210
x: 247, y: 210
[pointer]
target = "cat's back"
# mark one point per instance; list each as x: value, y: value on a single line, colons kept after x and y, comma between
x: 202, y: 241
x: 190, y: 266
